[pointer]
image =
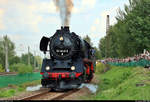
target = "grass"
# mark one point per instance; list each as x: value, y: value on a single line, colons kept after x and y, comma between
x: 18, y: 79
x: 16, y: 89
x: 7, y: 93
x: 120, y: 83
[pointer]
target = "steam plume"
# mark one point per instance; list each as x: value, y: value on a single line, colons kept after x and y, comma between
x: 65, y: 8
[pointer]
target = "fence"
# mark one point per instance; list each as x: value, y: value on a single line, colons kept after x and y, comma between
x: 141, y: 63
x: 18, y: 79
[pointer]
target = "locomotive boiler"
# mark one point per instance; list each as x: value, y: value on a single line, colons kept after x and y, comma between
x: 71, y: 62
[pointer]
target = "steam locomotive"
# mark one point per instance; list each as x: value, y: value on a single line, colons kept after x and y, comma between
x: 71, y: 63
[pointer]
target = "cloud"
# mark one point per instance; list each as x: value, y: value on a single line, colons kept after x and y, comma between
x: 83, y: 6
x: 99, y: 26
x: 2, y: 26
x: 97, y: 21
x: 43, y: 7
x: 16, y: 37
x: 26, y: 20
x: 75, y: 10
x: 88, y: 3
x: 24, y: 14
x: 93, y: 28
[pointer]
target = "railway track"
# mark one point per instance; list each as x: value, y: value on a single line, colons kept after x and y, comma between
x: 7, y: 73
x: 65, y: 95
x: 47, y: 95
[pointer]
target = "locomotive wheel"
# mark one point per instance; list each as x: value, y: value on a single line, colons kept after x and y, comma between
x: 84, y: 75
x: 89, y: 77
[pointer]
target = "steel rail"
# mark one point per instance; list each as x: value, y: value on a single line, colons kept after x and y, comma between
x: 53, y: 95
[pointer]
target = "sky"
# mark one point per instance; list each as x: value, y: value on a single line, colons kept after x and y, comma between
x: 26, y: 21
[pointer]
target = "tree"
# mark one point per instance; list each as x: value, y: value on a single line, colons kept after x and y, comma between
x: 97, y: 53
x: 6, y: 42
x: 2, y: 54
x: 88, y: 39
x: 38, y: 60
x: 24, y: 58
x: 14, y: 60
x: 130, y: 35
x: 102, y: 47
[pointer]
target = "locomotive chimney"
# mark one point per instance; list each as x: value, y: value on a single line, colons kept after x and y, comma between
x: 65, y: 28
x: 62, y: 27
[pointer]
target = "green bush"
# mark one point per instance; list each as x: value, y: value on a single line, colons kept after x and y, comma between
x: 1, y: 68
x: 14, y: 67
x: 20, y: 89
x: 21, y: 68
x: 25, y: 69
x: 101, y: 68
x: 7, y: 93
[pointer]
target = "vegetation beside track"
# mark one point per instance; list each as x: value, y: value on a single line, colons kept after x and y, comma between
x: 12, y: 90
x: 122, y: 83
x: 18, y: 79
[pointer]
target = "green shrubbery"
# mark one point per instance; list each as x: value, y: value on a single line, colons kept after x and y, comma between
x: 21, y: 68
x: 7, y: 93
x: 120, y: 83
x: 1, y: 68
x: 101, y: 68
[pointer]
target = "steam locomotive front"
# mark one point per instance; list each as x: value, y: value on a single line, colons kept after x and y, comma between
x: 64, y: 63
x: 62, y: 46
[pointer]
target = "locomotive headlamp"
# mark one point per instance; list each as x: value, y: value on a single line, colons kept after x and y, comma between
x: 47, y: 68
x: 61, y: 38
x: 73, y: 68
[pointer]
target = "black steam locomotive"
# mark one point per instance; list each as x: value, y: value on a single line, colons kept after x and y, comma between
x: 71, y: 62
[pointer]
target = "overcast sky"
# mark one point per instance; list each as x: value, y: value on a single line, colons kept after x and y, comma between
x: 26, y: 21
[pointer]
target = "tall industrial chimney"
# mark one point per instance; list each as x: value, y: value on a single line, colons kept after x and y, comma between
x: 107, y: 37
x: 107, y: 24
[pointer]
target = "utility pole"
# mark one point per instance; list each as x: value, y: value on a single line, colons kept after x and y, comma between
x: 6, y: 54
x: 28, y: 55
x: 107, y: 37
x: 20, y: 48
x: 34, y: 59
